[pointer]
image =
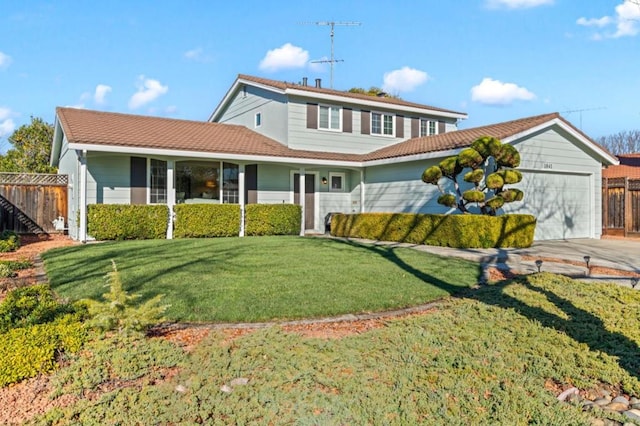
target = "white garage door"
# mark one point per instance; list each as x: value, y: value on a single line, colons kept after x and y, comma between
x: 560, y: 201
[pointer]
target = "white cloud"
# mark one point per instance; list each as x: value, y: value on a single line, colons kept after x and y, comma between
x: 148, y: 90
x: 594, y: 22
x: 100, y: 93
x: 626, y: 21
x: 5, y: 60
x: 7, y: 125
x: 287, y: 56
x: 495, y: 92
x: 517, y: 4
x: 404, y: 79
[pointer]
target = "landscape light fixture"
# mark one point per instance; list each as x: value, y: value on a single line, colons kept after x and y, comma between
x: 587, y: 259
x: 538, y: 264
x: 634, y: 282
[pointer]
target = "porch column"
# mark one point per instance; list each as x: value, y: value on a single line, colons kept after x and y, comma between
x: 171, y: 196
x: 241, y: 200
x: 302, y: 200
x: 82, y: 232
x: 362, y: 197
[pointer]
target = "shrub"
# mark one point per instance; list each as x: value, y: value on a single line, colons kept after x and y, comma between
x: 272, y: 219
x: 127, y: 222
x: 28, y: 351
x: 8, y: 268
x: 35, y: 329
x: 120, y: 311
x: 207, y: 220
x: 460, y: 231
x: 9, y: 241
x: 32, y: 305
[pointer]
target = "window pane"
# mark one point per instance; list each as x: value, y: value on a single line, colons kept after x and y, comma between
x: 230, y: 183
x: 423, y: 127
x: 324, y: 117
x: 388, y: 125
x: 376, y: 125
x: 335, y: 118
x: 197, y: 180
x: 158, y: 190
x: 336, y: 182
x: 432, y: 127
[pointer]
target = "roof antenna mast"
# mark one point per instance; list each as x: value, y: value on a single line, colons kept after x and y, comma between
x: 332, y: 24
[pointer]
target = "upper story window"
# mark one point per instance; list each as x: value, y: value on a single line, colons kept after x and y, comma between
x: 329, y: 117
x: 258, y: 121
x: 382, y: 124
x: 428, y: 127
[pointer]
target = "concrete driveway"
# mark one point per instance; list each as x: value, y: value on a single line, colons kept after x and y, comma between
x: 611, y: 253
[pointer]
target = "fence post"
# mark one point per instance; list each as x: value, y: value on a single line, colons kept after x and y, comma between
x: 627, y: 208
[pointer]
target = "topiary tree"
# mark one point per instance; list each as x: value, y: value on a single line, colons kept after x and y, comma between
x: 489, y: 165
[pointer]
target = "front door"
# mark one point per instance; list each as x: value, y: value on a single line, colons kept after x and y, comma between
x: 309, y: 198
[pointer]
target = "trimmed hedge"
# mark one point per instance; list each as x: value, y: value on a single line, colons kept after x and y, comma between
x: 207, y: 220
x: 272, y: 219
x: 127, y: 222
x: 459, y: 231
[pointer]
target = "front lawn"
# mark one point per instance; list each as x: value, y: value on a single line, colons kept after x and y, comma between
x: 260, y: 278
x: 497, y: 355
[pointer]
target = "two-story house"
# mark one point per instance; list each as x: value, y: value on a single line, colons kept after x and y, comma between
x: 350, y: 152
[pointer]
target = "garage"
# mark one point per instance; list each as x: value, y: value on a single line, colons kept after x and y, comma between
x: 562, y: 202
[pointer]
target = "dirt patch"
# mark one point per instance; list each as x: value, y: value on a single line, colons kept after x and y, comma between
x: 31, y: 246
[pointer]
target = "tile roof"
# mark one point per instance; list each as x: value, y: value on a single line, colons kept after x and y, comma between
x: 632, y: 172
x: 459, y: 138
x: 283, y: 85
x: 83, y: 126
x: 135, y: 131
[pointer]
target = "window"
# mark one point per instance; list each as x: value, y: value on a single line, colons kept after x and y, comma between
x: 258, y: 121
x: 158, y: 193
x: 197, y: 181
x: 382, y: 124
x: 336, y: 181
x: 329, y: 117
x: 427, y: 127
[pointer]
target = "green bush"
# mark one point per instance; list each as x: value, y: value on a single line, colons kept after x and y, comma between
x: 9, y: 241
x: 272, y: 219
x: 28, y: 351
x: 207, y: 220
x: 8, y: 268
x: 127, y: 222
x: 31, y: 305
x: 460, y: 231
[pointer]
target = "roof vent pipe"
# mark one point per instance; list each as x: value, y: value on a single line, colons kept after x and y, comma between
x: 318, y: 83
x: 304, y: 81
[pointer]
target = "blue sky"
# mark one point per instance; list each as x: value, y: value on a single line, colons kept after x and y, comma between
x: 496, y: 60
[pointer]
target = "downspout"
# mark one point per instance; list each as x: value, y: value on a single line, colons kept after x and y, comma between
x: 83, y: 196
x: 302, y: 199
x: 241, y: 200
x: 362, y: 191
x: 171, y: 197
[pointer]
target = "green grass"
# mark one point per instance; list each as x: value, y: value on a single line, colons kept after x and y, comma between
x: 260, y: 278
x: 477, y: 360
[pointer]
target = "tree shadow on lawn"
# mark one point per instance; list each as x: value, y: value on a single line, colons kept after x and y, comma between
x: 140, y: 270
x: 581, y: 325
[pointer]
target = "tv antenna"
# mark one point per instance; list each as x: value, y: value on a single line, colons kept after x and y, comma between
x: 332, y: 24
x: 581, y: 111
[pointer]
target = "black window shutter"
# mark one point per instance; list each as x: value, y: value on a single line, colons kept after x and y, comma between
x: 399, y: 126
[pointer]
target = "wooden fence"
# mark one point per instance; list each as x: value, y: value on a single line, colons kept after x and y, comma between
x: 621, y: 207
x: 30, y: 202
